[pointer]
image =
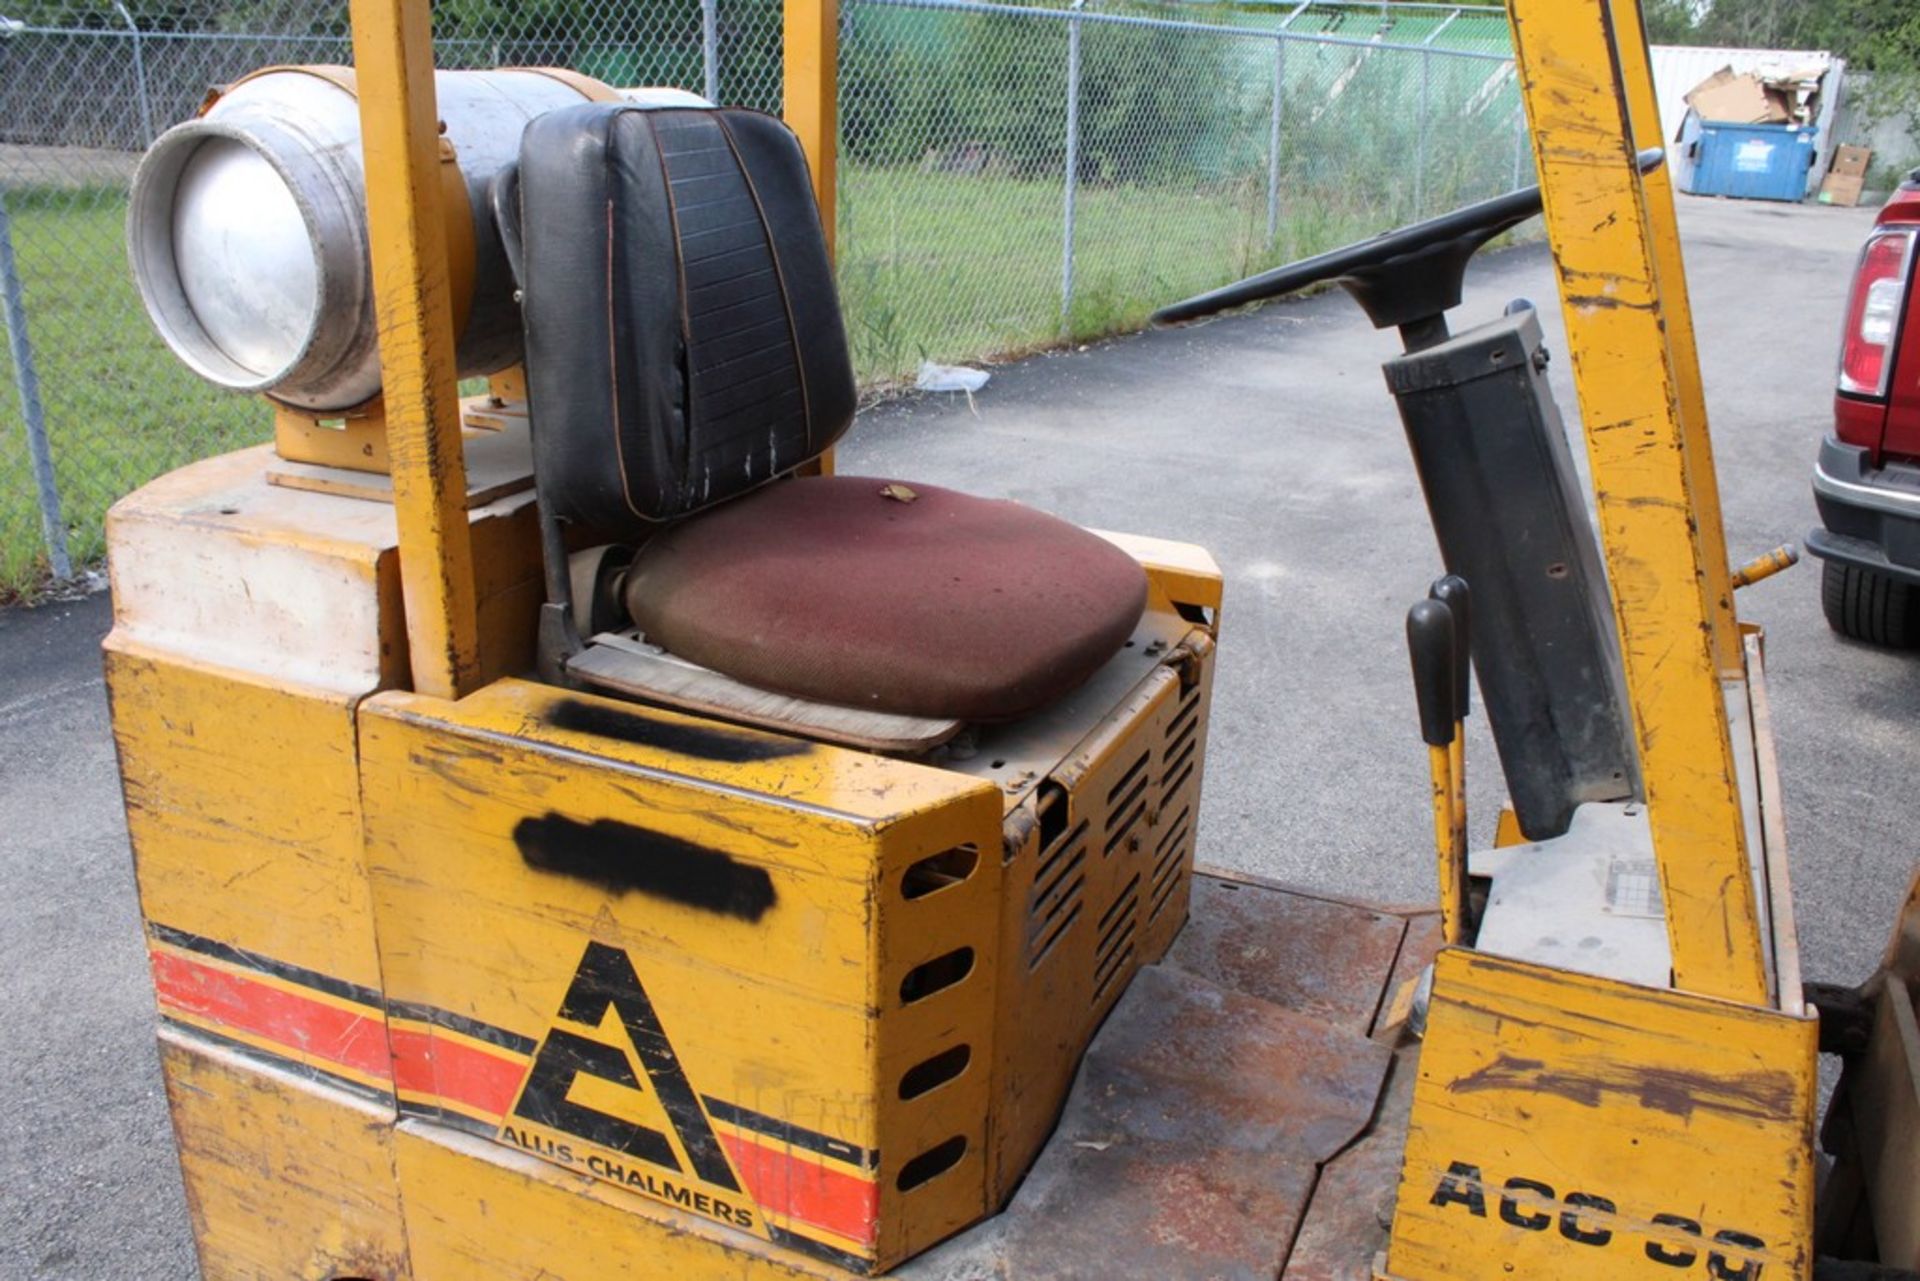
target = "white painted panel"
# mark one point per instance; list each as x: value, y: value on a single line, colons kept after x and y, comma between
x: 214, y: 564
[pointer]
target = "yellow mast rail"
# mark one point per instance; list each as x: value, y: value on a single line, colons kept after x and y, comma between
x: 1651, y: 476
x: 413, y: 303
x: 1630, y: 39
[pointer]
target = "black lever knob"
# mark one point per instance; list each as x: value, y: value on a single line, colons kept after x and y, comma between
x: 1453, y: 592
x: 1430, y: 645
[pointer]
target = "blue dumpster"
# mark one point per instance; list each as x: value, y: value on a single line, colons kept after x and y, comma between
x: 1752, y: 162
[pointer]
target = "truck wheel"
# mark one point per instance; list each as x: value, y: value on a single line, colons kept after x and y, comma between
x: 1870, y: 607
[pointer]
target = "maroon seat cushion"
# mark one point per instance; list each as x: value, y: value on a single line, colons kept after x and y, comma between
x: 888, y: 596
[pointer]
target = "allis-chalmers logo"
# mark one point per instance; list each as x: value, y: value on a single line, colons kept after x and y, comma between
x: 606, y: 1077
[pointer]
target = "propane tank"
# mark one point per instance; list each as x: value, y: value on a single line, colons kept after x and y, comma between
x: 247, y: 228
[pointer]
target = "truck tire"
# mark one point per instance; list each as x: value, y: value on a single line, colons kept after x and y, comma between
x: 1870, y: 607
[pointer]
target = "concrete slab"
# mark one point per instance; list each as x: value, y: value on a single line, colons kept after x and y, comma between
x: 1270, y: 439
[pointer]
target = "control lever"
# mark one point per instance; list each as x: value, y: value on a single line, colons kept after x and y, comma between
x: 1452, y: 591
x: 1431, y: 644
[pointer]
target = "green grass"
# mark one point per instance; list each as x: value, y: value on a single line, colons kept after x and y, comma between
x: 950, y: 267
x: 936, y: 266
x: 120, y: 409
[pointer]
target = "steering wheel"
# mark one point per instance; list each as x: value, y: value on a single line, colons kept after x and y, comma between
x: 1407, y: 277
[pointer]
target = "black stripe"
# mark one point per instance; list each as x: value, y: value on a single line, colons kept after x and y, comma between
x: 449, y: 1118
x: 502, y: 1037
x: 463, y: 1025
x: 293, y: 1067
x: 790, y: 1134
x: 267, y: 965
x: 820, y: 1250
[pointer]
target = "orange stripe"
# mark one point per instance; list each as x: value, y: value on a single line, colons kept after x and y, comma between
x: 309, y: 1029
x: 419, y: 1061
x: 782, y: 1184
x: 430, y: 1064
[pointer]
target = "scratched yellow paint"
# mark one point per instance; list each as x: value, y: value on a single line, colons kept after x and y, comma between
x: 285, y: 1179
x: 244, y: 812
x: 1586, y: 1109
x: 795, y: 1009
x: 1677, y: 311
x: 1648, y: 487
x: 475, y: 1212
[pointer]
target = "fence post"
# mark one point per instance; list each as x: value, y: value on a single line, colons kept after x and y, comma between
x: 1519, y: 144
x: 1420, y: 146
x: 1426, y: 109
x: 13, y: 309
x: 1073, y: 167
x: 139, y: 77
x: 1273, y: 140
x: 710, y: 48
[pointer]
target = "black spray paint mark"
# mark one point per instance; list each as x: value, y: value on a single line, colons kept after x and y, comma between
x: 708, y: 743
x: 620, y: 857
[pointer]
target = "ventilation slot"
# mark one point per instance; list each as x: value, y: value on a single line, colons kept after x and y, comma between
x: 938, y: 871
x: 935, y: 1072
x: 1167, y: 860
x: 1041, y: 944
x: 1135, y: 771
x: 1116, y: 937
x: 1177, y: 762
x: 1120, y: 901
x: 1057, y: 885
x: 1120, y: 830
x: 1057, y: 852
x: 932, y: 1163
x: 1181, y: 771
x: 1166, y: 857
x: 1183, y: 725
x: 937, y: 975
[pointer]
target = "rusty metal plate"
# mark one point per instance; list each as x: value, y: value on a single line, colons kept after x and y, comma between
x: 1189, y: 1146
x: 1310, y: 955
x: 1351, y: 1212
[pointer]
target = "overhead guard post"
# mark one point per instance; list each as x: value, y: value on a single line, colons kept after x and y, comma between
x: 1650, y: 482
x: 413, y: 303
x: 810, y: 91
x: 810, y: 84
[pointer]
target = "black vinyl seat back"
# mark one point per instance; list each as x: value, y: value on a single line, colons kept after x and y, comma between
x: 683, y: 338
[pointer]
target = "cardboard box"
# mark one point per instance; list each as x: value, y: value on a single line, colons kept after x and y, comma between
x: 1842, y: 189
x: 1851, y: 162
x: 1728, y: 98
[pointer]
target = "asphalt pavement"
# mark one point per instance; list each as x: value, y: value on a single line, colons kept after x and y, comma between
x: 1268, y: 438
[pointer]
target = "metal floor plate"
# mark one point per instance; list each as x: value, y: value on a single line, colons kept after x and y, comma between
x: 1311, y: 955
x: 1194, y: 1138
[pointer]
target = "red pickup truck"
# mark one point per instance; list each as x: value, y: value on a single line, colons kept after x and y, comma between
x: 1867, y: 480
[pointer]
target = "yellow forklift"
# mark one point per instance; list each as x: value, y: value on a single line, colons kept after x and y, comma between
x: 579, y: 834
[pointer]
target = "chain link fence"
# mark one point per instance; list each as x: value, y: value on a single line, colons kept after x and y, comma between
x: 1011, y: 176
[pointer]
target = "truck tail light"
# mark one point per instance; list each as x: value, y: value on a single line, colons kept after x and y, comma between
x: 1873, y: 311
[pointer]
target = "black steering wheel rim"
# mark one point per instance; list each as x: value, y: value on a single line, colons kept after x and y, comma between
x: 1383, y: 272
